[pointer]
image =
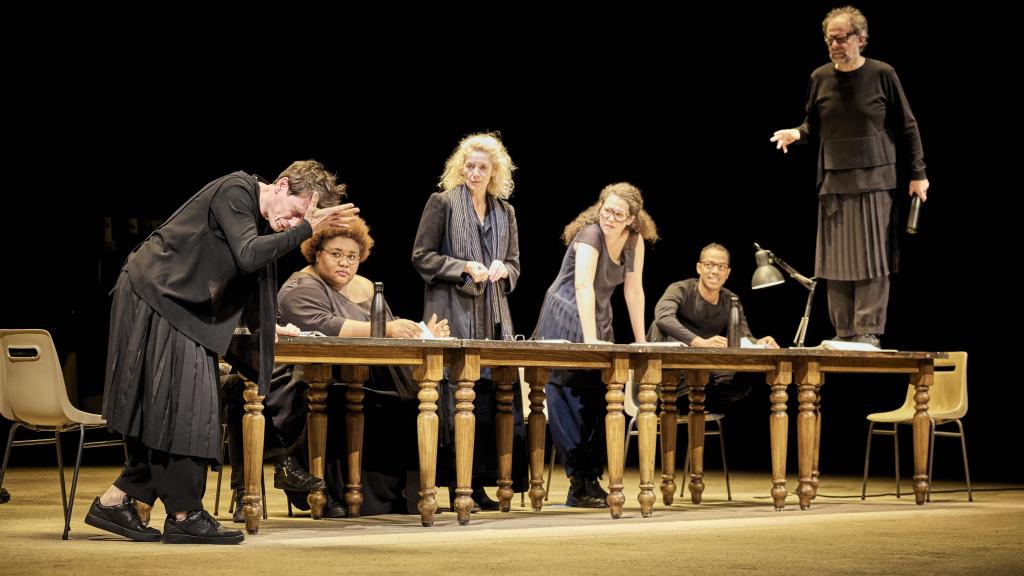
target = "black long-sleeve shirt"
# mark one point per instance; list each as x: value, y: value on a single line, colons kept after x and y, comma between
x: 861, y: 119
x: 196, y: 270
x: 682, y: 314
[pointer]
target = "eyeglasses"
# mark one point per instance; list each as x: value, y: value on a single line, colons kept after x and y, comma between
x: 614, y: 214
x: 709, y: 266
x: 841, y: 38
x: 339, y: 256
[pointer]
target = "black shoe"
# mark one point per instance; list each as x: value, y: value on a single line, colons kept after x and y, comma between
x: 594, y: 489
x: 334, y: 509
x: 579, y: 497
x: 238, y: 516
x: 481, y: 501
x: 4, y: 495
x: 122, y: 519
x: 198, y: 527
x: 289, y: 475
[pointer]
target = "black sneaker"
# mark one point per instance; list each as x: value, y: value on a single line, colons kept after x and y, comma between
x: 594, y: 489
x: 198, y: 527
x: 122, y: 519
x: 4, y: 495
x: 579, y: 497
x: 289, y: 475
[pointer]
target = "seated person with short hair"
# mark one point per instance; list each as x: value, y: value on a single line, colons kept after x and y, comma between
x: 330, y: 297
x: 696, y: 312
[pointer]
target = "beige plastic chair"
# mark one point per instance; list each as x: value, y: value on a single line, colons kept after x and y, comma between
x: 947, y: 405
x: 33, y: 396
x: 632, y: 410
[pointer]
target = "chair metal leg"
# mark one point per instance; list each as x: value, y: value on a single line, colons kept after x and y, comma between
x: 725, y: 462
x: 967, y: 469
x: 896, y: 451
x: 686, y: 463
x: 74, y: 482
x: 867, y: 462
x: 931, y: 456
x: 263, y: 491
x: 60, y: 469
x: 220, y: 473
x: 629, y: 434
x: 7, y: 451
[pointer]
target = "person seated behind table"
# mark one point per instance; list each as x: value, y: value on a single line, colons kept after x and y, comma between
x: 696, y: 312
x: 330, y: 297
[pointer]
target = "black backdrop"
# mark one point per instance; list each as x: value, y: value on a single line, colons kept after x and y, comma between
x: 681, y: 104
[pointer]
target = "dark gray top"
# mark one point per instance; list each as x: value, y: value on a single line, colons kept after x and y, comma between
x: 683, y: 314
x: 311, y: 304
x: 559, y: 317
x: 306, y: 301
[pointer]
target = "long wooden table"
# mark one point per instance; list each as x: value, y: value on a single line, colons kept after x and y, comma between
x: 652, y: 365
x: 779, y: 366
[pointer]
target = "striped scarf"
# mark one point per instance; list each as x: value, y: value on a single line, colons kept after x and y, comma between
x: 467, y: 244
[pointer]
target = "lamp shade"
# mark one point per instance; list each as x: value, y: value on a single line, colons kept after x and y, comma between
x: 765, y: 275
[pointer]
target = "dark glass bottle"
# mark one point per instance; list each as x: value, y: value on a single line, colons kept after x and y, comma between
x: 378, y: 320
x: 734, y: 322
x: 915, y: 213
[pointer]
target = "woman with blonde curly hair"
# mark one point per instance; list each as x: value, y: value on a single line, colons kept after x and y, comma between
x: 467, y: 244
x: 467, y: 252
x: 605, y: 249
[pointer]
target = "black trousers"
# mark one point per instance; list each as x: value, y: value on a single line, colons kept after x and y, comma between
x: 178, y: 481
x: 576, y: 413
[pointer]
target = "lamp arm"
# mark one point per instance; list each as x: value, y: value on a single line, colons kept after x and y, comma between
x: 808, y: 283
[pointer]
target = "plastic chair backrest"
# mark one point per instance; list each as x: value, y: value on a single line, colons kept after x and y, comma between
x: 948, y: 392
x: 32, y: 381
x: 947, y: 396
x: 629, y: 405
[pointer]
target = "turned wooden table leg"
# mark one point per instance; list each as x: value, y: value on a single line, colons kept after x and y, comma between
x: 466, y: 371
x: 647, y: 372
x: 922, y: 425
x: 778, y: 427
x: 697, y: 380
x: 614, y: 379
x: 669, y: 426
x: 538, y: 379
x: 252, y: 440
x: 428, y: 373
x: 808, y: 379
x: 354, y: 377
x: 317, y: 376
x: 815, y: 471
x: 504, y: 378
